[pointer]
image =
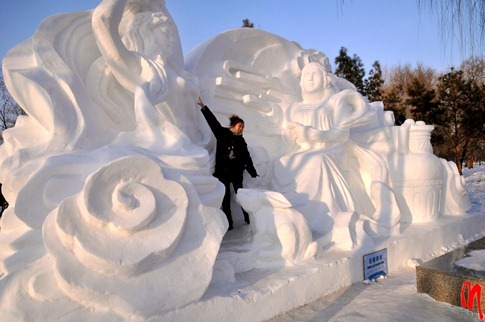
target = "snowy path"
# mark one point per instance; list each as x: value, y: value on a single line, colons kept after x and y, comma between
x: 391, y: 299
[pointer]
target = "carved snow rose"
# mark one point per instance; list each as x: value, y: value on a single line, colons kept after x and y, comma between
x: 122, y: 236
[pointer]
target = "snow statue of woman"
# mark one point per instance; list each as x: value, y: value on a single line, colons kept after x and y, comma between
x: 150, y: 68
x: 328, y: 168
x: 317, y: 125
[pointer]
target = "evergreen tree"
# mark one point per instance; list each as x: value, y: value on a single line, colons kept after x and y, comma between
x: 373, y: 84
x: 474, y: 70
x: 422, y: 101
x: 393, y: 100
x: 461, y: 118
x: 474, y: 122
x: 352, y: 69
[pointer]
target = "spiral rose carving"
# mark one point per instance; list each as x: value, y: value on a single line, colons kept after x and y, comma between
x: 128, y: 240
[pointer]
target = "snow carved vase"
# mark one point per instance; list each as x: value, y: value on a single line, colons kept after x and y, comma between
x: 419, y: 179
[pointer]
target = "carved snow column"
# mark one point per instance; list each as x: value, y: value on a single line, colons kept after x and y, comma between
x: 418, y: 175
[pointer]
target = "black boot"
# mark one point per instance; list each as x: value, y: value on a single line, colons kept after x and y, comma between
x: 246, y: 216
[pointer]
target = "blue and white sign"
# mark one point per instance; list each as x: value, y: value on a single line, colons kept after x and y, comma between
x: 375, y: 264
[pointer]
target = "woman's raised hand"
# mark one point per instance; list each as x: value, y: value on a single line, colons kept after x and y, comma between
x: 200, y: 103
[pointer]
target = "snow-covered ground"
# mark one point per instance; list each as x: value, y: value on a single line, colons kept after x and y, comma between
x: 393, y: 298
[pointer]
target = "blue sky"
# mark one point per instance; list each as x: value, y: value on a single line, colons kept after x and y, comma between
x: 391, y: 31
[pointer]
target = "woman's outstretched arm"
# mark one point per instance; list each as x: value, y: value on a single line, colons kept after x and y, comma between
x: 214, y: 124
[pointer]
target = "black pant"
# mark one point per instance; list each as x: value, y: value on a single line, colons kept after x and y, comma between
x: 3, y: 202
x: 226, y: 202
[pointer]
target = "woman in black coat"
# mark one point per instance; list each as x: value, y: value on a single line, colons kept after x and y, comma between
x: 3, y: 202
x: 232, y: 156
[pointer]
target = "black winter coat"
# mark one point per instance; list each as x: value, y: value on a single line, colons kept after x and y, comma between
x: 229, y: 165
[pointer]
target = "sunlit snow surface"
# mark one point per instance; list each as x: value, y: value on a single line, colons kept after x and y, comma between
x: 475, y: 260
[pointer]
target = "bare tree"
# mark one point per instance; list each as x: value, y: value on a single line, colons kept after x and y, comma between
x: 460, y: 20
x: 9, y: 109
x: 399, y: 82
x: 474, y: 69
x: 396, y: 81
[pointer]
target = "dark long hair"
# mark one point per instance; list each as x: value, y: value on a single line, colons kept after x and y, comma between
x: 234, y: 119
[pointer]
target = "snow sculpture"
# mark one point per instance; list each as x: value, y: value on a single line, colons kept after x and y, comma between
x: 109, y: 192
x: 121, y: 243
x: 275, y: 222
x: 136, y: 240
x: 114, y: 213
x: 454, y: 196
x: 419, y: 190
x: 337, y: 158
